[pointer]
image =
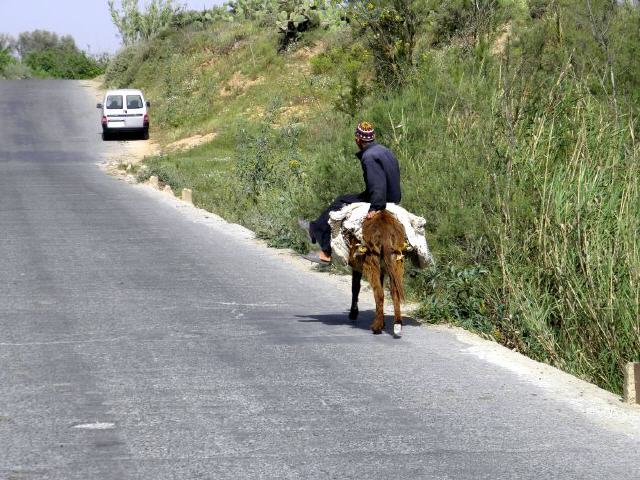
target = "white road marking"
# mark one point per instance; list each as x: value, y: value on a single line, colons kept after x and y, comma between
x: 95, y: 426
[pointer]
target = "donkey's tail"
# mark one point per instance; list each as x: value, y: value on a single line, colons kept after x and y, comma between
x: 394, y: 261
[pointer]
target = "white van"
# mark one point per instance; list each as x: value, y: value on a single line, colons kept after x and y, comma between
x: 124, y: 110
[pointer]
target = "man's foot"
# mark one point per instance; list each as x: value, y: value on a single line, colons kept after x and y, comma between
x: 304, y: 225
x: 318, y: 257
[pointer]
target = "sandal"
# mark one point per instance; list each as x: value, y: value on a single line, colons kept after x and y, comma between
x: 315, y: 258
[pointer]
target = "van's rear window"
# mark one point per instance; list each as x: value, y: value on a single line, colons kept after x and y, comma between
x: 134, y: 101
x: 114, y: 102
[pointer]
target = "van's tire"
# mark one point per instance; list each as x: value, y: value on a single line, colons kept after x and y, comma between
x: 106, y: 136
x: 145, y: 134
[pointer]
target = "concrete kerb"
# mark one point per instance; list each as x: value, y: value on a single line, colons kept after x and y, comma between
x: 632, y: 383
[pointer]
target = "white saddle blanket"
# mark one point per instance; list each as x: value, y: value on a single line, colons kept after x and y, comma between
x: 350, y: 218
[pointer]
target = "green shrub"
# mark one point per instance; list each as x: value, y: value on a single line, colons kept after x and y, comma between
x: 454, y: 294
x: 5, y: 58
x: 16, y: 71
x: 321, y: 64
x: 122, y: 68
x: 390, y: 28
x: 60, y: 62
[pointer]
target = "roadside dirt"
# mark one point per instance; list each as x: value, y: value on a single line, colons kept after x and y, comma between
x: 238, y: 84
x: 306, y: 53
x: 500, y: 44
x: 191, y: 142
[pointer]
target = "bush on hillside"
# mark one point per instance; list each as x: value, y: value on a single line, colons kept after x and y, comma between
x: 121, y: 69
x: 389, y: 28
x: 468, y: 21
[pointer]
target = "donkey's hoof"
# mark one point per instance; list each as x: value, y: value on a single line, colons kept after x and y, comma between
x: 397, y: 329
x: 353, y: 313
x: 377, y: 328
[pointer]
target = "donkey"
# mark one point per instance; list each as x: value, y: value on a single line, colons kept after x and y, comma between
x: 381, y: 250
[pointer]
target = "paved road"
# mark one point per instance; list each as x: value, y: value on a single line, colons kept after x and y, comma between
x: 128, y: 352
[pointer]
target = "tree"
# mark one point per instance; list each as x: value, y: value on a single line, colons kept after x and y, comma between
x: 41, y: 40
x: 48, y: 55
x: 135, y: 25
x: 7, y: 42
x: 7, y: 47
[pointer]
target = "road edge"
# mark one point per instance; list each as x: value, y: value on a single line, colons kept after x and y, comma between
x: 601, y: 406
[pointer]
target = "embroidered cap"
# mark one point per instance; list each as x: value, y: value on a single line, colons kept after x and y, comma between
x: 365, y: 132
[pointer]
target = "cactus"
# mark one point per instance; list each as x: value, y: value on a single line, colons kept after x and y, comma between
x: 252, y: 9
x: 295, y: 17
x: 203, y: 18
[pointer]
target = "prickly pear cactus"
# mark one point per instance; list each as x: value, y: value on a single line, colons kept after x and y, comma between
x: 295, y: 17
x: 291, y: 17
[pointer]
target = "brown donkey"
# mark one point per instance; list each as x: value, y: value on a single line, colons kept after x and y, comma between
x: 381, y: 250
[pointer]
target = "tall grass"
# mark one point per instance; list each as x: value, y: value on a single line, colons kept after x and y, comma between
x: 571, y: 265
x: 528, y: 182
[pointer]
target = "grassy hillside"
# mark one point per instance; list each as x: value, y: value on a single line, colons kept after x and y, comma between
x: 516, y: 133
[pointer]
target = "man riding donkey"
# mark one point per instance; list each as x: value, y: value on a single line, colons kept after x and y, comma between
x: 382, y: 180
x: 378, y: 242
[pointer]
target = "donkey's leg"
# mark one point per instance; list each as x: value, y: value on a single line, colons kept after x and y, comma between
x: 372, y: 266
x: 397, y: 315
x: 396, y: 279
x: 356, y: 279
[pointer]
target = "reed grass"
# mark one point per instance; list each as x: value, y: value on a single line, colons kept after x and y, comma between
x: 528, y: 181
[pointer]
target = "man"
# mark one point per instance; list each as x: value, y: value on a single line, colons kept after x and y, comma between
x: 382, y: 181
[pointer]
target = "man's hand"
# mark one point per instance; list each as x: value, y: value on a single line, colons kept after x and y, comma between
x: 372, y: 213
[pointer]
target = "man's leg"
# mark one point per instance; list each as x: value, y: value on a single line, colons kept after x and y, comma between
x: 320, y: 230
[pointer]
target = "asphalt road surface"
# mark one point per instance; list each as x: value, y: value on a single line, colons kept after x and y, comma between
x: 136, y: 343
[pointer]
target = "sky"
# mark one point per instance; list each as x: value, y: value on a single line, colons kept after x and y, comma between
x: 88, y: 21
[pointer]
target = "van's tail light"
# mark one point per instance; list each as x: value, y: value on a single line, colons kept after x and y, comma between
x: 104, y: 120
x: 146, y: 119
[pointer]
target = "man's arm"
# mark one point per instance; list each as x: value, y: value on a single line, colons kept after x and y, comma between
x: 376, y: 185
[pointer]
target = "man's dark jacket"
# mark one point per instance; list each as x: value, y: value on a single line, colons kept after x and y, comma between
x: 382, y: 179
x: 381, y: 176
